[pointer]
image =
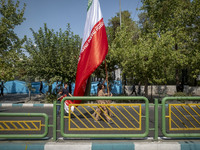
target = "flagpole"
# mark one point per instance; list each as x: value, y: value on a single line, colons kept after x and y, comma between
x: 107, y: 78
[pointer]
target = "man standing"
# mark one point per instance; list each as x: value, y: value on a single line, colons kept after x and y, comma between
x: 65, y: 90
x: 41, y: 87
x: 1, y: 88
x: 134, y: 90
x: 65, y: 93
x: 139, y: 88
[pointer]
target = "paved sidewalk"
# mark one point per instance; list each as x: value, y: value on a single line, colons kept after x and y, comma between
x: 100, y: 145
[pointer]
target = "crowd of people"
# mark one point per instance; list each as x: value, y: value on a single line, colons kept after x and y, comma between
x: 100, y: 110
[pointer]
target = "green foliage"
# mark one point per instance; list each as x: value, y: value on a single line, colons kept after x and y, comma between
x: 149, y: 59
x: 180, y: 94
x: 50, y: 98
x: 115, y: 54
x: 10, y: 44
x: 53, y: 55
x: 181, y: 18
x: 114, y: 24
x: 166, y: 42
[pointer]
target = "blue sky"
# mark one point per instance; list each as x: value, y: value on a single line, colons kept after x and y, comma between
x: 58, y: 13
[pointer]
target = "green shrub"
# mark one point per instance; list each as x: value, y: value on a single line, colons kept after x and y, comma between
x: 180, y: 94
x: 50, y: 98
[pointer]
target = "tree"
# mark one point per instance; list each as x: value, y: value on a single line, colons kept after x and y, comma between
x: 161, y: 46
x: 179, y: 17
x: 53, y: 55
x: 148, y: 60
x: 114, y: 57
x: 193, y: 35
x: 114, y: 23
x: 10, y: 44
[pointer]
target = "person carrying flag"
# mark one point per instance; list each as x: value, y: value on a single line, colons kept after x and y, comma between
x: 66, y: 93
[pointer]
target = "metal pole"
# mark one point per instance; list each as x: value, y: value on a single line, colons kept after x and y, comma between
x: 107, y: 78
x: 156, y: 119
x: 54, y: 120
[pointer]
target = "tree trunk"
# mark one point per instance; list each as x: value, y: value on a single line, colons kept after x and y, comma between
x: 70, y: 87
x: 146, y: 88
x: 29, y: 94
x: 151, y: 92
x: 50, y: 89
x: 177, y: 74
x: 124, y: 85
x: 177, y: 80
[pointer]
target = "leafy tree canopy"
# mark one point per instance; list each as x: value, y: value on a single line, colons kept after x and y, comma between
x: 53, y: 55
x: 10, y: 45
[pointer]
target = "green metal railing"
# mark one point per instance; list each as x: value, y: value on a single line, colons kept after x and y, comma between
x: 15, y: 136
x: 169, y: 117
x: 106, y: 135
x: 156, y: 119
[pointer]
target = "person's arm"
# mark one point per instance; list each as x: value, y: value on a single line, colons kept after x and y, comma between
x: 70, y: 94
x: 59, y: 98
x: 110, y: 94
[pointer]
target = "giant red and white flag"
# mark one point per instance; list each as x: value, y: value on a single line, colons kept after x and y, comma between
x: 94, y: 47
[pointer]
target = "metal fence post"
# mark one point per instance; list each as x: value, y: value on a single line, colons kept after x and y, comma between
x: 156, y: 119
x: 54, y: 120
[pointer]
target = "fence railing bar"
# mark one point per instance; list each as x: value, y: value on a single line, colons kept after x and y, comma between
x: 190, y: 115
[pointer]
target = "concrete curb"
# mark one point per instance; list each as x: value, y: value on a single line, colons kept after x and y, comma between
x: 24, y: 105
x: 35, y: 105
x: 101, y: 145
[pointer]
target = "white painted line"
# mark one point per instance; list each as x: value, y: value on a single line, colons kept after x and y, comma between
x: 157, y: 146
x: 27, y: 105
x: 48, y: 105
x: 68, y: 146
x: 6, y: 105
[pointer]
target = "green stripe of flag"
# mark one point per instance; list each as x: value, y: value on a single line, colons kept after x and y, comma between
x: 89, y: 4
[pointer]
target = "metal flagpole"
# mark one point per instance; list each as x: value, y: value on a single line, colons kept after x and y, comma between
x: 107, y: 78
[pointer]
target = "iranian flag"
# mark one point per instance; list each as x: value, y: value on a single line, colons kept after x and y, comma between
x: 94, y: 47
